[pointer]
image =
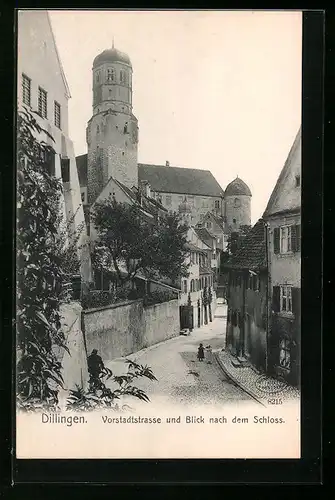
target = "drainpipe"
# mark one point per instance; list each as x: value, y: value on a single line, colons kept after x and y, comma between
x: 268, y: 291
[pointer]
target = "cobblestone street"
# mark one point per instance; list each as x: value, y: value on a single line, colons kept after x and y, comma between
x: 182, y: 379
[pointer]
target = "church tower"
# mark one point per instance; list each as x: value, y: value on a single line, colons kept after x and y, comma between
x: 112, y: 132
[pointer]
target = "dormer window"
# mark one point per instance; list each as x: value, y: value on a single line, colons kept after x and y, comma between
x: 297, y: 180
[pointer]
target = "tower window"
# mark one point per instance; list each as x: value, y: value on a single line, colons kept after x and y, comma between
x: 297, y: 180
x: 98, y: 129
x: 237, y: 202
x: 42, y: 102
x: 234, y: 221
x: 110, y: 75
x: 97, y: 77
x: 26, y: 90
x: 57, y: 115
x: 125, y: 128
x: 122, y: 153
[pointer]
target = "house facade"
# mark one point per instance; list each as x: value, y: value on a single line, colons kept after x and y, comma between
x: 246, y: 334
x: 283, y: 217
x: 43, y: 91
x: 197, y: 288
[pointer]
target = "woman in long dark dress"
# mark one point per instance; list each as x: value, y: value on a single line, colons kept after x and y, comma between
x: 201, y: 353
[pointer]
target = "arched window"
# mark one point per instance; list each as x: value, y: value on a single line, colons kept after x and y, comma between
x: 122, y: 76
x: 98, y: 129
x: 237, y: 202
x: 206, y: 281
x: 192, y: 285
x: 97, y: 77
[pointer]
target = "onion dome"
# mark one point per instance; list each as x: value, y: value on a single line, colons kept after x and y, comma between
x: 237, y: 187
x: 185, y: 207
x: 111, y: 56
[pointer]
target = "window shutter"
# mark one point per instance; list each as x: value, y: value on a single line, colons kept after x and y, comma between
x: 294, y: 238
x: 276, y: 298
x: 296, y: 301
x: 65, y: 166
x: 276, y: 237
x: 298, y: 237
x: 50, y: 162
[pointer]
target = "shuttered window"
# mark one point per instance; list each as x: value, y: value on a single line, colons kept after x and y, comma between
x: 42, y: 102
x: 285, y: 298
x: 65, y: 167
x: 57, y: 116
x: 276, y: 246
x: 276, y: 299
x: 286, y: 239
x: 26, y: 90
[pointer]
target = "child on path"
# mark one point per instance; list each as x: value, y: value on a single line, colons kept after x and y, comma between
x: 201, y: 353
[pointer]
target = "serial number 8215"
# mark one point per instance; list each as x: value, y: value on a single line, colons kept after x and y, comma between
x: 275, y: 401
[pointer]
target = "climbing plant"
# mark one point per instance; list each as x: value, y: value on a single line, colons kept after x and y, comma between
x: 39, y: 268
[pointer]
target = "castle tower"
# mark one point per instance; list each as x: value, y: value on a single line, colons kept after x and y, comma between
x: 112, y: 132
x: 237, y: 204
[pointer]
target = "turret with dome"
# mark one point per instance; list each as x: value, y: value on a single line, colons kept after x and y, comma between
x: 112, y: 132
x: 237, y: 204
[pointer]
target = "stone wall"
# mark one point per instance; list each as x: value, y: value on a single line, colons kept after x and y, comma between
x: 121, y: 329
x: 74, y: 363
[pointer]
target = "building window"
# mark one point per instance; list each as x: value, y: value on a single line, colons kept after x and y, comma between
x: 285, y: 239
x: 185, y: 286
x: 297, y: 180
x: 65, y: 167
x: 285, y: 298
x: 42, y: 102
x: 192, y: 286
x: 57, y: 116
x: 168, y: 200
x: 122, y: 76
x: 237, y: 203
x: 208, y: 225
x: 217, y: 204
x: 110, y: 75
x: 26, y: 90
x: 97, y: 77
x: 234, y: 221
x: 285, y: 354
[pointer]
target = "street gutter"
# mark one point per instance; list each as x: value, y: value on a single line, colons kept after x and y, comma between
x: 233, y: 379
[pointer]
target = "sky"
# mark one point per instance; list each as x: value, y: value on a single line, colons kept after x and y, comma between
x: 212, y: 90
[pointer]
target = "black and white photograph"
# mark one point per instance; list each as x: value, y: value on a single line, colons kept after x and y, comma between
x: 158, y: 264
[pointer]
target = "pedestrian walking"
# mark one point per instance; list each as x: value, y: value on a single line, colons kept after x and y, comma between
x: 201, y: 353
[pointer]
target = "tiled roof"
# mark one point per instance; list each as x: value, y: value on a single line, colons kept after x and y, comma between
x: 194, y: 248
x: 282, y: 175
x: 252, y: 252
x: 189, y: 181
x: 204, y: 234
x: 82, y: 169
x: 237, y: 187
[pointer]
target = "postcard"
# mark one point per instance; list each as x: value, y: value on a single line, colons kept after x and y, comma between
x: 158, y: 234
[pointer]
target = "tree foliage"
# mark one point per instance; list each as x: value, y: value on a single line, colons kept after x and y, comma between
x: 107, y: 398
x: 132, y: 245
x: 39, y: 269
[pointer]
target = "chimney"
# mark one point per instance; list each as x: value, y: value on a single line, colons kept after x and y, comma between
x: 167, y: 163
